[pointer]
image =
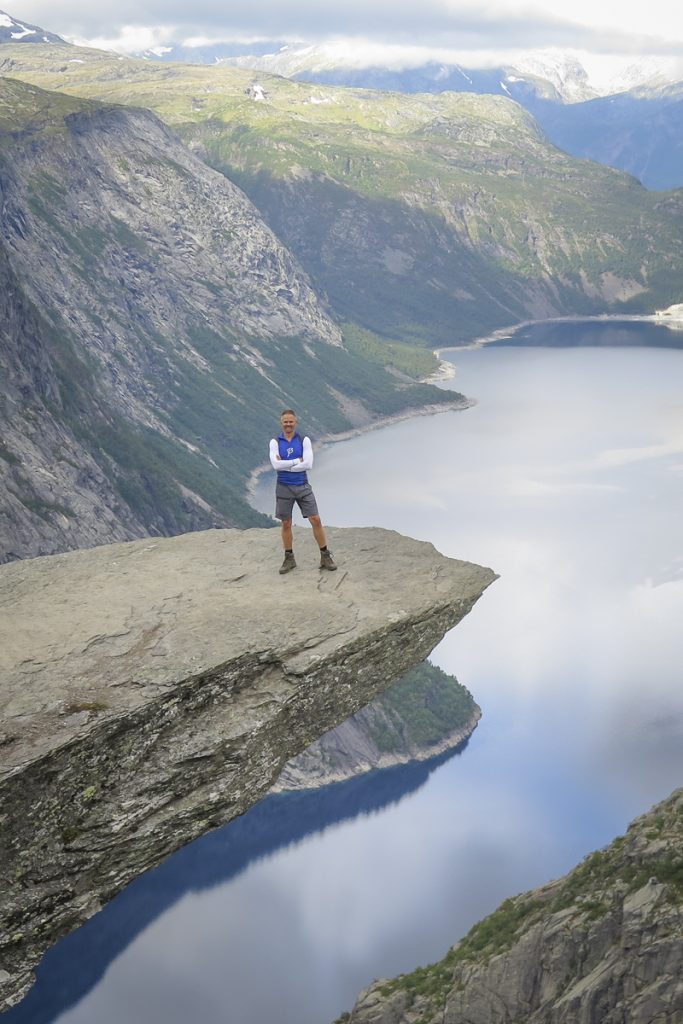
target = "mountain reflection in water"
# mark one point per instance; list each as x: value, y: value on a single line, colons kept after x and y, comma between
x: 594, y: 334
x: 77, y: 963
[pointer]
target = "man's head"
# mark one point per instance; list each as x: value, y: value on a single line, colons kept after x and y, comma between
x: 288, y: 420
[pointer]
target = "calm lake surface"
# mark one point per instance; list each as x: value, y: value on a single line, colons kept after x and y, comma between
x: 567, y: 479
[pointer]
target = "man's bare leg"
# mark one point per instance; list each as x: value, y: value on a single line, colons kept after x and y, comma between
x: 318, y: 530
x: 287, y: 543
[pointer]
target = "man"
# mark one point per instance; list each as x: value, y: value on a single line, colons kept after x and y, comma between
x: 291, y: 455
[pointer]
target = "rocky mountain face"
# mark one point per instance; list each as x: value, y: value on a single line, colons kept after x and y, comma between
x: 54, y: 491
x: 424, y: 218
x: 134, y: 720
x: 421, y: 716
x: 154, y: 327
x: 603, y: 945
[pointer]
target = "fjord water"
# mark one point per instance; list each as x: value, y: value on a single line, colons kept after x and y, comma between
x: 567, y: 479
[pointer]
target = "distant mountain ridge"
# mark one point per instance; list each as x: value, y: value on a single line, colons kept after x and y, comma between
x: 211, y: 53
x: 629, y: 119
x: 626, y: 115
x: 13, y: 31
x: 638, y: 131
x: 568, y: 75
x: 563, y: 76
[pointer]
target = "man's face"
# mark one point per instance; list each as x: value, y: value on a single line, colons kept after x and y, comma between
x: 288, y: 422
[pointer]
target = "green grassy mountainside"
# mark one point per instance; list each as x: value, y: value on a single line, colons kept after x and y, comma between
x: 153, y: 327
x: 425, y: 218
x: 633, y: 126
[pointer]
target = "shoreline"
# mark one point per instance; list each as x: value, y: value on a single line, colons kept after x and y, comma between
x: 448, y: 371
x: 666, y: 320
x: 457, y: 405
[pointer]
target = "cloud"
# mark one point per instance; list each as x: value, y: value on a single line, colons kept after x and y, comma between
x: 129, y: 39
x: 607, y: 28
x: 625, y: 456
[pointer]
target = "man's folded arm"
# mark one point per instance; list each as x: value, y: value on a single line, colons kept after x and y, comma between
x: 275, y: 460
x: 307, y: 460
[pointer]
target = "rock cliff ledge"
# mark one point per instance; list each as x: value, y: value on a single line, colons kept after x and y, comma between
x: 151, y: 691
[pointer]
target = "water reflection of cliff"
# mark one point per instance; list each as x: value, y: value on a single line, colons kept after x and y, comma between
x: 75, y: 965
x: 596, y: 334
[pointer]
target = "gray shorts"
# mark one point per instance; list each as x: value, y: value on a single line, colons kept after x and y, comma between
x: 287, y: 494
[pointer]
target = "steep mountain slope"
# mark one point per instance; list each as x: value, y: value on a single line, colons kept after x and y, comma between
x: 53, y: 491
x: 604, y: 945
x: 426, y: 218
x: 153, y: 328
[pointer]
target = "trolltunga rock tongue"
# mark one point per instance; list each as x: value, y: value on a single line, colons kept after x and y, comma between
x: 152, y: 691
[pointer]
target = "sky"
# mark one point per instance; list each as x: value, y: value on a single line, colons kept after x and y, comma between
x: 438, y: 26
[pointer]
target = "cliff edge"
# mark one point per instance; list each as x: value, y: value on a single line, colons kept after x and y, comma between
x: 153, y: 690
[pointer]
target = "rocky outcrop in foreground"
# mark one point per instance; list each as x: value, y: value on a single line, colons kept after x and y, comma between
x: 153, y: 690
x: 603, y: 945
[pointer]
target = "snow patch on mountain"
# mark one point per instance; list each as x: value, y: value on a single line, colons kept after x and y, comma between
x: 574, y: 74
x: 13, y: 31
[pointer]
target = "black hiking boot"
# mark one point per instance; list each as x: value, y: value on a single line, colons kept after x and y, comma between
x: 327, y: 561
x: 288, y: 563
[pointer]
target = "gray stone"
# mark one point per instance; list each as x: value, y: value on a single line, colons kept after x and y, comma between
x: 153, y: 690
